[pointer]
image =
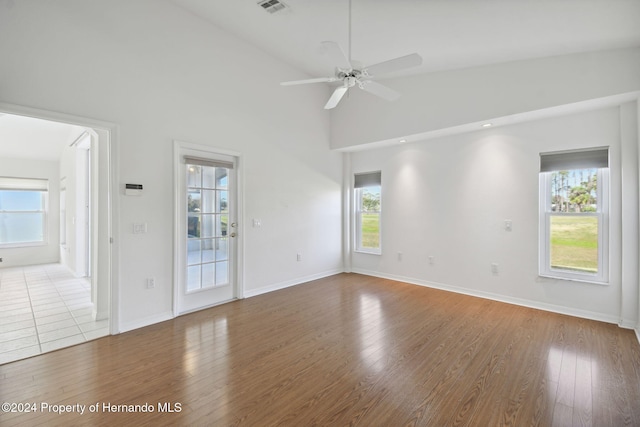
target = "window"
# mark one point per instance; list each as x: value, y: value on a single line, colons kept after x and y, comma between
x: 23, y: 211
x: 367, y: 212
x: 574, y: 190
x: 207, y: 223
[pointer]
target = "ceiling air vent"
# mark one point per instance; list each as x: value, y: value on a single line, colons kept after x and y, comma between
x: 272, y: 6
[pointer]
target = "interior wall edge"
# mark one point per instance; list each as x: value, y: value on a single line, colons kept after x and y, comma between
x: 292, y: 282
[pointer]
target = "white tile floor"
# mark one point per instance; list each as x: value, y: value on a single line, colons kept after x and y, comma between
x: 44, y: 308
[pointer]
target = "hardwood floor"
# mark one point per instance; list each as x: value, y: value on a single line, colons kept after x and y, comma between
x: 345, y: 350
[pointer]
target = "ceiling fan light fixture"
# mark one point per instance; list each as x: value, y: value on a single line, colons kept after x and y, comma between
x: 351, y: 73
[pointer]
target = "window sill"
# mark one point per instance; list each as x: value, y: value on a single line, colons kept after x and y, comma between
x: 21, y: 245
x: 360, y: 251
x: 206, y: 288
x: 574, y: 279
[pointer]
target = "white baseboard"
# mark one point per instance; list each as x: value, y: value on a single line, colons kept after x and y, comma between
x: 627, y: 324
x: 585, y: 314
x: 147, y: 321
x: 289, y: 283
x: 638, y: 333
x: 102, y: 315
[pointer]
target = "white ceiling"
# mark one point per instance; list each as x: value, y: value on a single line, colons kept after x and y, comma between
x: 448, y: 34
x: 26, y: 137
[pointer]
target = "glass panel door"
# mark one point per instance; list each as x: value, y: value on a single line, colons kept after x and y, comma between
x: 205, y: 233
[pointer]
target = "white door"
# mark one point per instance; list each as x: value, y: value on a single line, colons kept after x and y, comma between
x: 206, y: 229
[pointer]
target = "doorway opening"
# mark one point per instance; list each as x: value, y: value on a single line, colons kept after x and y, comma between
x: 56, y: 291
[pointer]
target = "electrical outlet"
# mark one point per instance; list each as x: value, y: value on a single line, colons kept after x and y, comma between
x: 151, y: 283
x: 494, y: 268
x: 508, y: 225
x: 0, y: 259
x: 299, y: 257
x: 399, y: 256
x: 431, y: 260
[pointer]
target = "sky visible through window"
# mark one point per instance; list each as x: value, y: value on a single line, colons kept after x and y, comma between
x: 20, y: 200
x: 21, y: 216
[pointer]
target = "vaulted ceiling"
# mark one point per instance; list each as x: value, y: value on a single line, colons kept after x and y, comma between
x: 448, y: 34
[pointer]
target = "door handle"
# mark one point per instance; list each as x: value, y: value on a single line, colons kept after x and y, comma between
x: 233, y: 234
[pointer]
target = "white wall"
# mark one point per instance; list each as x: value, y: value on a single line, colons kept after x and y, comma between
x: 49, y: 252
x: 449, y: 197
x: 161, y: 74
x: 435, y: 101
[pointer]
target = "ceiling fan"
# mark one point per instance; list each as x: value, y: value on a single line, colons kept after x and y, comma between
x: 351, y: 73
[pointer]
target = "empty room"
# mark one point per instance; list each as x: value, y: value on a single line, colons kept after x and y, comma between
x: 337, y: 212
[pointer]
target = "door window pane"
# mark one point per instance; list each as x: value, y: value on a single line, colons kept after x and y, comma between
x: 193, y: 277
x: 208, y: 275
x: 222, y: 178
x: 222, y: 249
x: 194, y: 176
x: 193, y: 226
x: 208, y: 250
x: 194, y: 252
x: 207, y: 226
x: 208, y: 177
x: 221, y: 204
x: 222, y: 274
x: 221, y: 225
x: 208, y: 201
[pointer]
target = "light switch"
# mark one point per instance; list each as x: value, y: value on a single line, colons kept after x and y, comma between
x: 140, y: 228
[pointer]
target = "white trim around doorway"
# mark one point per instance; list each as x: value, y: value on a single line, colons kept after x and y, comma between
x: 112, y: 130
x: 178, y: 147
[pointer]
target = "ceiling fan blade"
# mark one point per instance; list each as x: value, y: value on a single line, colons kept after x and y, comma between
x: 303, y: 82
x: 395, y: 64
x: 337, y: 55
x: 382, y: 91
x: 336, y: 97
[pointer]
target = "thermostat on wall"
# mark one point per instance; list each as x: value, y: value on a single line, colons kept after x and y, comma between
x: 133, y: 189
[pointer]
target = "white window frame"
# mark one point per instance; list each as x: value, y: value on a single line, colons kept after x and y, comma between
x: 602, y: 213
x: 358, y: 192
x: 44, y: 211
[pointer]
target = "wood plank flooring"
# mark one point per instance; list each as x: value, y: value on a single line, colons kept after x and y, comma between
x: 345, y: 350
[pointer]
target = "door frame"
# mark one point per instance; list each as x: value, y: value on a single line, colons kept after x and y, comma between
x: 178, y: 147
x: 84, y: 229
x: 108, y: 134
